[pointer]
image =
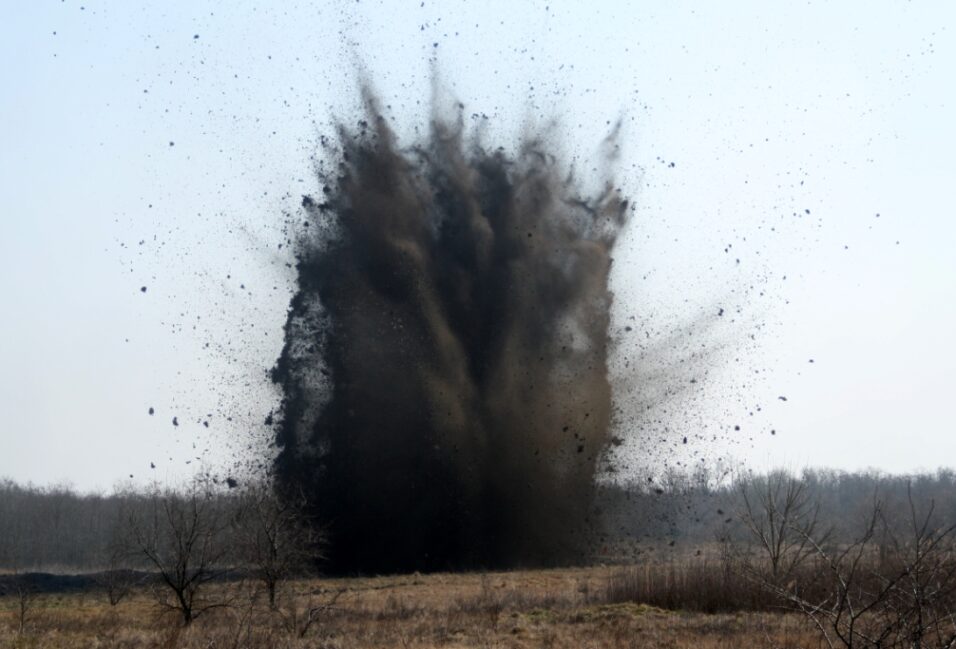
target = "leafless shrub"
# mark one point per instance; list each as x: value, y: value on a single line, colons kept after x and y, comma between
x: 25, y: 596
x: 117, y: 580
x: 300, y: 619
x: 893, y: 586
x: 117, y: 583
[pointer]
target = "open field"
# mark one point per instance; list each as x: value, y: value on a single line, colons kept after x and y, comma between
x: 549, y: 608
x: 878, y: 573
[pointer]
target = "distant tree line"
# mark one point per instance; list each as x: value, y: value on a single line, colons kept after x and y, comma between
x: 57, y: 529
x: 687, y: 509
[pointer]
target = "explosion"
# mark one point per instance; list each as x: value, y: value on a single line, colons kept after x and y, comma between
x: 444, y: 381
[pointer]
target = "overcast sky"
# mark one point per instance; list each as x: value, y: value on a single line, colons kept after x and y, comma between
x: 792, y: 165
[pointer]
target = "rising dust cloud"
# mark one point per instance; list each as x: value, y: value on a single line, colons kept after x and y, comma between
x: 445, y: 392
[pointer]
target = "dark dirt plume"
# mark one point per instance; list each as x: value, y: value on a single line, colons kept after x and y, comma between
x: 445, y: 392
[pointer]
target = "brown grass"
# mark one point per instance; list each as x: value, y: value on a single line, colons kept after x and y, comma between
x: 705, y: 586
x: 549, y: 608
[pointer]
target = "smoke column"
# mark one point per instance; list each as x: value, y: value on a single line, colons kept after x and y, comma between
x: 444, y: 374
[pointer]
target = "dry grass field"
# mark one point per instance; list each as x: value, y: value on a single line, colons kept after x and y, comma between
x: 548, y: 608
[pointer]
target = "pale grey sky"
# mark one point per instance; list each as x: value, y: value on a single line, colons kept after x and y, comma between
x: 158, y: 144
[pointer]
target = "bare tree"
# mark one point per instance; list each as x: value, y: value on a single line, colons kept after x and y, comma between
x: 25, y: 595
x: 117, y: 580
x: 277, y: 539
x: 892, y: 587
x: 182, y: 535
x: 780, y: 518
x: 920, y: 561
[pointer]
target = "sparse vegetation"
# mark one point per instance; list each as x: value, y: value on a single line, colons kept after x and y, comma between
x: 520, y: 609
x: 893, y: 585
x: 819, y: 560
